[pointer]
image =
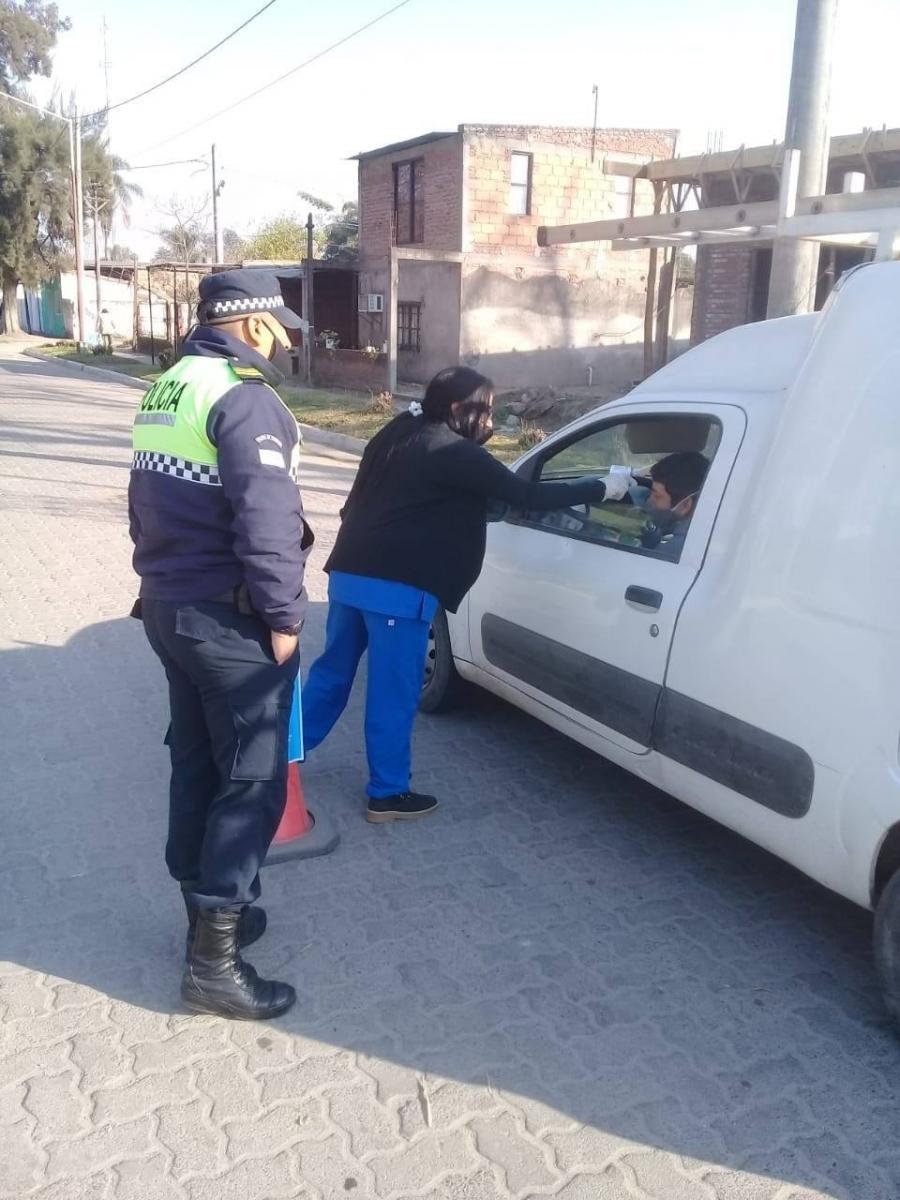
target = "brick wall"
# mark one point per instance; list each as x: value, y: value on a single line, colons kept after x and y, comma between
x: 649, y: 143
x: 724, y: 276
x: 548, y: 315
x: 722, y: 288
x: 566, y: 186
x: 443, y: 197
x: 349, y: 369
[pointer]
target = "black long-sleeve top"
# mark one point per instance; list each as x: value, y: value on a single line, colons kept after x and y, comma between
x: 417, y: 513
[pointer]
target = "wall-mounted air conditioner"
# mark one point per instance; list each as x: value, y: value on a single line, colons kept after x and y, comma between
x: 373, y: 302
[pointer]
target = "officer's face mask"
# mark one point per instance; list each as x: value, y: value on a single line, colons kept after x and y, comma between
x: 278, y: 338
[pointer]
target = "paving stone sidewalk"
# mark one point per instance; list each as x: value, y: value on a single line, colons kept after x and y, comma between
x: 565, y: 984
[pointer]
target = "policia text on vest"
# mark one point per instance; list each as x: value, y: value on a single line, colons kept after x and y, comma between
x: 161, y: 403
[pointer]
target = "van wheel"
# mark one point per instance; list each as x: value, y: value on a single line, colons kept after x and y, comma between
x: 442, y: 685
x: 887, y: 944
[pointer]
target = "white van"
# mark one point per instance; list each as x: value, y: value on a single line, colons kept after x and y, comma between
x: 748, y: 662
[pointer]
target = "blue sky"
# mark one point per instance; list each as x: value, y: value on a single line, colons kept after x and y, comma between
x: 697, y: 65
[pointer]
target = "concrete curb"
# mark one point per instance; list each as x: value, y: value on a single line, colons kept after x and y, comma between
x: 340, y: 444
x: 331, y: 445
x: 92, y: 372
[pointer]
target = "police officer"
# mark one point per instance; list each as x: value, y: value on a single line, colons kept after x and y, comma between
x: 220, y: 546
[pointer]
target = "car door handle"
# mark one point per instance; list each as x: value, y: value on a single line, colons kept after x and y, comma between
x: 646, y: 597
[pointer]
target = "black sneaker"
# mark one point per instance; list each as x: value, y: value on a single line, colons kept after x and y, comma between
x: 407, y: 807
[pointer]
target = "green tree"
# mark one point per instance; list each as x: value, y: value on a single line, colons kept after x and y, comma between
x: 343, y: 233
x: 234, y: 246
x: 28, y: 33
x: 316, y: 202
x: 35, y: 192
x: 35, y: 203
x: 120, y: 254
x: 280, y: 240
x: 106, y: 186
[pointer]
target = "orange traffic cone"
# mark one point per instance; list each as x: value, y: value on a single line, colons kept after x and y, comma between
x: 300, y: 834
x: 296, y: 820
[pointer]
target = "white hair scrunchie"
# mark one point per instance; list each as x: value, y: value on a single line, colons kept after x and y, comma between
x: 415, y: 409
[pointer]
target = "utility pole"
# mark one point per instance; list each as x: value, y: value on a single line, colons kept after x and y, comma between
x: 795, y: 263
x: 136, y: 310
x: 79, y: 225
x: 96, y: 206
x: 218, y: 237
x: 594, y: 130
x: 95, y: 212
x: 106, y: 67
x: 310, y: 309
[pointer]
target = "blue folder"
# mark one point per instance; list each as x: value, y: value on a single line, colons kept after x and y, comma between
x: 295, y: 729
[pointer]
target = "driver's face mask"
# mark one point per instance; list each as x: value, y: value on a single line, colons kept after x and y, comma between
x: 674, y: 512
x: 662, y: 521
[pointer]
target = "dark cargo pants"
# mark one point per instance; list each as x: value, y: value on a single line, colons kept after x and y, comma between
x: 230, y: 707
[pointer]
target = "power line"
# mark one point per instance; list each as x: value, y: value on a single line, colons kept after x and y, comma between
x: 178, y: 162
x: 146, y: 92
x: 48, y: 112
x: 281, y: 78
x: 287, y: 180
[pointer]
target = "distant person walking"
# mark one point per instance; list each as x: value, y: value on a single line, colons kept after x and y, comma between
x: 107, y: 329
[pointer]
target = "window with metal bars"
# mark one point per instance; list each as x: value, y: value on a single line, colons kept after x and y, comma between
x: 409, y: 327
x: 409, y: 202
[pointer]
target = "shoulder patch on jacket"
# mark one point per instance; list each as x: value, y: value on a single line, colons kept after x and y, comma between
x: 248, y: 374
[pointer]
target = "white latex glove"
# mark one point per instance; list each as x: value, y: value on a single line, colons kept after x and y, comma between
x: 617, y: 485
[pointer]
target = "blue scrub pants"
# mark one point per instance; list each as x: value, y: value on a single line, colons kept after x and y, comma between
x: 397, y: 647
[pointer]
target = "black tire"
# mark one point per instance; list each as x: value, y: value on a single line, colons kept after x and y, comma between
x: 887, y: 944
x: 442, y: 686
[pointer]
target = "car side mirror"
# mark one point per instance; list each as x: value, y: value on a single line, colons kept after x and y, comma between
x: 496, y: 511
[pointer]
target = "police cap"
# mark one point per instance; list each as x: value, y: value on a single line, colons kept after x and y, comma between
x: 234, y: 294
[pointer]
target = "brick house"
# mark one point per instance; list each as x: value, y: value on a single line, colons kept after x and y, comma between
x: 448, y: 231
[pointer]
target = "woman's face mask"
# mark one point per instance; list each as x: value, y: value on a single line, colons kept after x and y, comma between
x: 477, y: 426
x: 485, y: 429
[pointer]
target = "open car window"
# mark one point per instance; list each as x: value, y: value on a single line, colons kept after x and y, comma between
x: 638, y: 443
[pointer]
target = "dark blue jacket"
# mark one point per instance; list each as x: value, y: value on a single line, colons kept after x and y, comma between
x: 195, y: 542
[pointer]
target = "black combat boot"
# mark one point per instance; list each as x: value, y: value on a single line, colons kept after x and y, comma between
x: 217, y: 980
x: 251, y: 926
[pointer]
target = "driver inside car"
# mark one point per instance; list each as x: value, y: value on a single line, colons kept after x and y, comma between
x: 668, y: 497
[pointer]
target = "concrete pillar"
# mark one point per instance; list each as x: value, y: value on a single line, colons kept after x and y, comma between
x: 795, y: 264
x: 392, y: 300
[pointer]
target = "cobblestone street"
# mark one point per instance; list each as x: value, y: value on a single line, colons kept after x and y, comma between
x: 565, y: 984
